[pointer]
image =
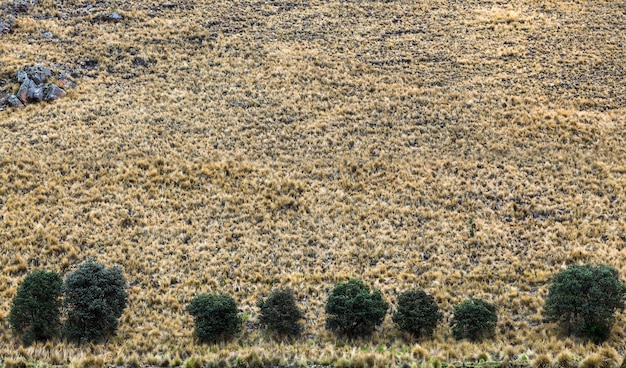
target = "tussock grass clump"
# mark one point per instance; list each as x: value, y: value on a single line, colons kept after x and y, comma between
x: 593, y: 361
x: 566, y: 359
x: 15, y: 363
x: 542, y: 361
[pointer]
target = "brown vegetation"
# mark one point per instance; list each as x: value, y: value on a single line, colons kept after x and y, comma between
x: 236, y: 145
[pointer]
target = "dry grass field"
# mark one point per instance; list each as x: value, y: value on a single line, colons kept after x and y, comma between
x: 234, y: 146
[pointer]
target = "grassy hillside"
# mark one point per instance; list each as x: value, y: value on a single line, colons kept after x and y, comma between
x: 235, y: 145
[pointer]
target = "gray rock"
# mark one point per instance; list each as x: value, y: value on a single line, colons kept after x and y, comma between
x: 21, y: 76
x: 115, y: 17
x: 47, y: 35
x: 37, y: 73
x: 13, y: 101
x: 35, y: 92
x: 53, y: 92
x: 22, y: 93
x: 33, y: 87
x: 39, y: 77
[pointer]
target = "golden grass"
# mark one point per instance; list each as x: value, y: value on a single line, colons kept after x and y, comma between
x: 300, y: 144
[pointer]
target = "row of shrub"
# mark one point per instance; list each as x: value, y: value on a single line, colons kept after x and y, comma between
x: 352, y: 310
x: 583, y: 298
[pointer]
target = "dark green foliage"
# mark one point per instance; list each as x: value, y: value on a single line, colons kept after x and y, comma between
x: 215, y: 317
x: 354, y: 311
x: 280, y: 314
x: 35, y: 312
x: 417, y: 313
x: 95, y: 298
x: 584, y: 298
x: 474, y: 319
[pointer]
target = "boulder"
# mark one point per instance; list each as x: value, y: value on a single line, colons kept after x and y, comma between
x: 30, y: 91
x: 22, y: 93
x: 114, y: 17
x: 13, y: 101
x: 35, y: 92
x: 21, y: 76
x: 52, y: 92
x: 37, y: 73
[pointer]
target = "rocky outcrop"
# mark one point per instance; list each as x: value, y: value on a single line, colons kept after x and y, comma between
x: 35, y: 86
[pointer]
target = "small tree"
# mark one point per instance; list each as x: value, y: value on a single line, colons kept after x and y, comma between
x: 352, y: 310
x: 215, y: 317
x: 95, y: 298
x: 280, y: 314
x: 584, y: 298
x: 417, y: 313
x: 35, y: 312
x: 474, y: 319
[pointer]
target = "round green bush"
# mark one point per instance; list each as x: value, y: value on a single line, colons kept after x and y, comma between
x: 94, y: 298
x: 584, y: 298
x: 353, y: 310
x: 417, y: 313
x: 35, y: 312
x: 280, y: 314
x: 474, y: 319
x: 215, y: 317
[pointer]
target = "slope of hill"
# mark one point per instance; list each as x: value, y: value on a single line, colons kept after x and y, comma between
x: 236, y: 145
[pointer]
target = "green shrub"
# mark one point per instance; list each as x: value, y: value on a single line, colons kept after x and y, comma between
x: 35, y: 312
x: 474, y: 319
x: 215, y: 317
x: 352, y: 310
x: 280, y: 314
x: 95, y: 298
x: 417, y: 313
x: 584, y: 298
